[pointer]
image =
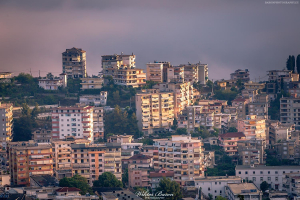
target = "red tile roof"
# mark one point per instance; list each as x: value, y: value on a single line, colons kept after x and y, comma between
x: 230, y: 135
x: 68, y: 189
x: 157, y: 174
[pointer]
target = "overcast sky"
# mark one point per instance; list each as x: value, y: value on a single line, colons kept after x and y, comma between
x: 227, y: 35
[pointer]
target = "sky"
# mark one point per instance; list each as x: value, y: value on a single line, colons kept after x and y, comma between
x: 225, y: 34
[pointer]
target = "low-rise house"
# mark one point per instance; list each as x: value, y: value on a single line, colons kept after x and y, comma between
x: 91, y: 83
x: 96, y: 100
x: 53, y: 83
x: 234, y: 191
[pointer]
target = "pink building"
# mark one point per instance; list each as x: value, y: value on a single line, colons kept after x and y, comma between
x: 138, y: 167
x: 229, y: 142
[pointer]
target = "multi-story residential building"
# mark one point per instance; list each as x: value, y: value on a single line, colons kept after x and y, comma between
x: 262, y: 98
x: 155, y: 72
x: 235, y: 191
x: 76, y: 121
x: 215, y: 185
x: 156, y: 176
x: 290, y: 111
x: 91, y: 83
x: 176, y: 73
x: 98, y: 123
x: 96, y: 100
x: 120, y: 139
x: 229, y: 142
x: 129, y: 77
x: 258, y: 109
x: 190, y: 118
x: 279, y: 131
x: 53, y: 83
x: 74, y: 63
x: 291, y: 184
x: 154, y: 110
x: 273, y: 175
x: 254, y: 85
x: 111, y: 63
x: 241, y: 105
x: 251, y: 151
x: 6, y: 117
x: 138, y: 170
x: 42, y: 135
x: 181, y: 154
x: 92, y: 160
x: 182, y: 92
x: 242, y: 75
x: 195, y: 72
x: 288, y: 150
x: 202, y: 73
x: 29, y: 158
x: 250, y: 94
x: 279, y: 80
x: 253, y: 128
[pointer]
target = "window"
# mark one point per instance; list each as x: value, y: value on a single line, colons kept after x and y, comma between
x: 261, y: 172
x: 269, y: 178
x: 240, y: 172
x: 276, y: 172
x: 276, y: 178
x: 268, y: 172
x: 261, y: 179
x: 246, y: 172
x: 253, y: 172
x: 209, y: 189
x: 254, y: 179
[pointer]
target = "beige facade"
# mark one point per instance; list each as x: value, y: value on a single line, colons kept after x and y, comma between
x: 251, y: 151
x: 6, y: 117
x: 254, y: 85
x: 154, y: 110
x: 253, y: 128
x: 155, y: 72
x: 242, y: 75
x: 29, y: 158
x: 241, y: 105
x: 229, y: 142
x: 181, y: 154
x: 98, y: 123
x: 111, y: 63
x: 129, y: 77
x: 282, y: 132
x: 91, y: 83
x: 42, y: 135
x: 290, y: 111
x: 74, y: 63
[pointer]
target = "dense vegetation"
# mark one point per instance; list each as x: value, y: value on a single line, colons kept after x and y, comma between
x: 107, y: 179
x: 167, y: 186
x: 78, y: 182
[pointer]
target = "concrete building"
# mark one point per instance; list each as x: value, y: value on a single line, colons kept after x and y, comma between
x: 181, y: 154
x: 253, y: 128
x: 156, y: 176
x: 91, y: 83
x: 76, y: 121
x: 120, y: 139
x: 6, y: 117
x: 290, y: 111
x: 279, y: 131
x: 241, y: 105
x: 291, y: 184
x: 91, y: 160
x: 95, y: 100
x: 195, y: 72
x: 251, y: 151
x: 215, y: 185
x: 111, y: 63
x: 254, y: 85
x: 243, y: 75
x: 246, y: 190
x: 42, y: 135
x: 138, y: 170
x: 287, y: 150
x: 155, y: 72
x: 98, y: 123
x: 273, y: 175
x: 4, y: 179
x: 154, y: 110
x: 129, y: 77
x: 74, y: 63
x: 29, y: 158
x: 120, y: 194
x: 258, y: 109
x: 229, y: 142
x: 53, y: 83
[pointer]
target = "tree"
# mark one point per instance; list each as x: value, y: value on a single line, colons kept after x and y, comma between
x: 125, y: 177
x: 147, y: 141
x: 298, y: 64
x: 116, y: 97
x: 149, y: 84
x: 232, y: 130
x: 78, y: 182
x: 181, y: 131
x: 175, y: 124
x: 290, y: 63
x: 166, y: 186
x: 220, y: 198
x: 49, y: 76
x: 107, y: 179
x: 264, y: 186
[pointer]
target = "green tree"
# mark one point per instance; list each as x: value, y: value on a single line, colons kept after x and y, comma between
x: 49, y: 76
x: 232, y: 130
x: 298, y: 64
x: 147, y: 141
x: 220, y: 198
x: 264, y: 186
x: 149, y: 84
x: 181, y: 131
x: 78, y: 182
x: 107, y: 179
x: 225, y: 95
x: 166, y: 186
x: 290, y: 63
x: 116, y: 97
x: 125, y: 177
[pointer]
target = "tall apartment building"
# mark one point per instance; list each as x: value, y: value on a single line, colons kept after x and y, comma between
x: 74, y: 63
x: 111, y: 63
x: 182, y: 91
x: 98, y: 123
x: 154, y: 110
x: 92, y: 160
x: 75, y: 121
x: 202, y: 73
x: 290, y: 111
x: 287, y: 149
x: 129, y: 77
x: 278, y: 131
x: 6, y: 117
x: 91, y: 83
x: 155, y: 72
x: 291, y: 184
x: 258, y: 109
x: 241, y: 105
x: 229, y: 142
x: 195, y: 72
x: 181, y: 154
x: 251, y: 151
x: 29, y: 158
x: 242, y: 75
x: 253, y: 128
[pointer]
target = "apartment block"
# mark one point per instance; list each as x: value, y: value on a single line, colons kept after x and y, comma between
x: 29, y: 158
x: 96, y: 100
x: 235, y: 191
x: 290, y: 111
x: 74, y: 63
x: 91, y: 83
x: 111, y: 63
x: 129, y: 77
x: 279, y: 131
x: 120, y: 139
x: 190, y: 73
x: 250, y: 94
x: 190, y: 118
x: 42, y: 135
x: 251, y: 151
x: 258, y: 109
x: 287, y: 150
x: 91, y: 160
x: 98, y: 123
x: 155, y: 72
x: 181, y: 154
x: 202, y: 73
x: 273, y: 175
x: 253, y: 128
x: 291, y: 184
x: 243, y: 75
x: 53, y: 83
x: 138, y: 170
x: 154, y: 110
x: 208, y: 159
x: 75, y: 121
x: 156, y: 176
x: 254, y: 85
x: 241, y: 105
x: 215, y: 185
x: 6, y: 117
x: 229, y: 142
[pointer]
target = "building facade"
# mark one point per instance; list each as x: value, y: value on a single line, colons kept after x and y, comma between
x: 74, y: 63
x: 6, y: 117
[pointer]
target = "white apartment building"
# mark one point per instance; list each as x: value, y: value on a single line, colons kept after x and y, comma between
x: 91, y: 83
x: 53, y: 83
x: 154, y: 72
x: 290, y: 111
x: 94, y: 99
x: 215, y: 185
x: 111, y: 63
x: 76, y: 121
x: 273, y: 175
x: 6, y: 117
